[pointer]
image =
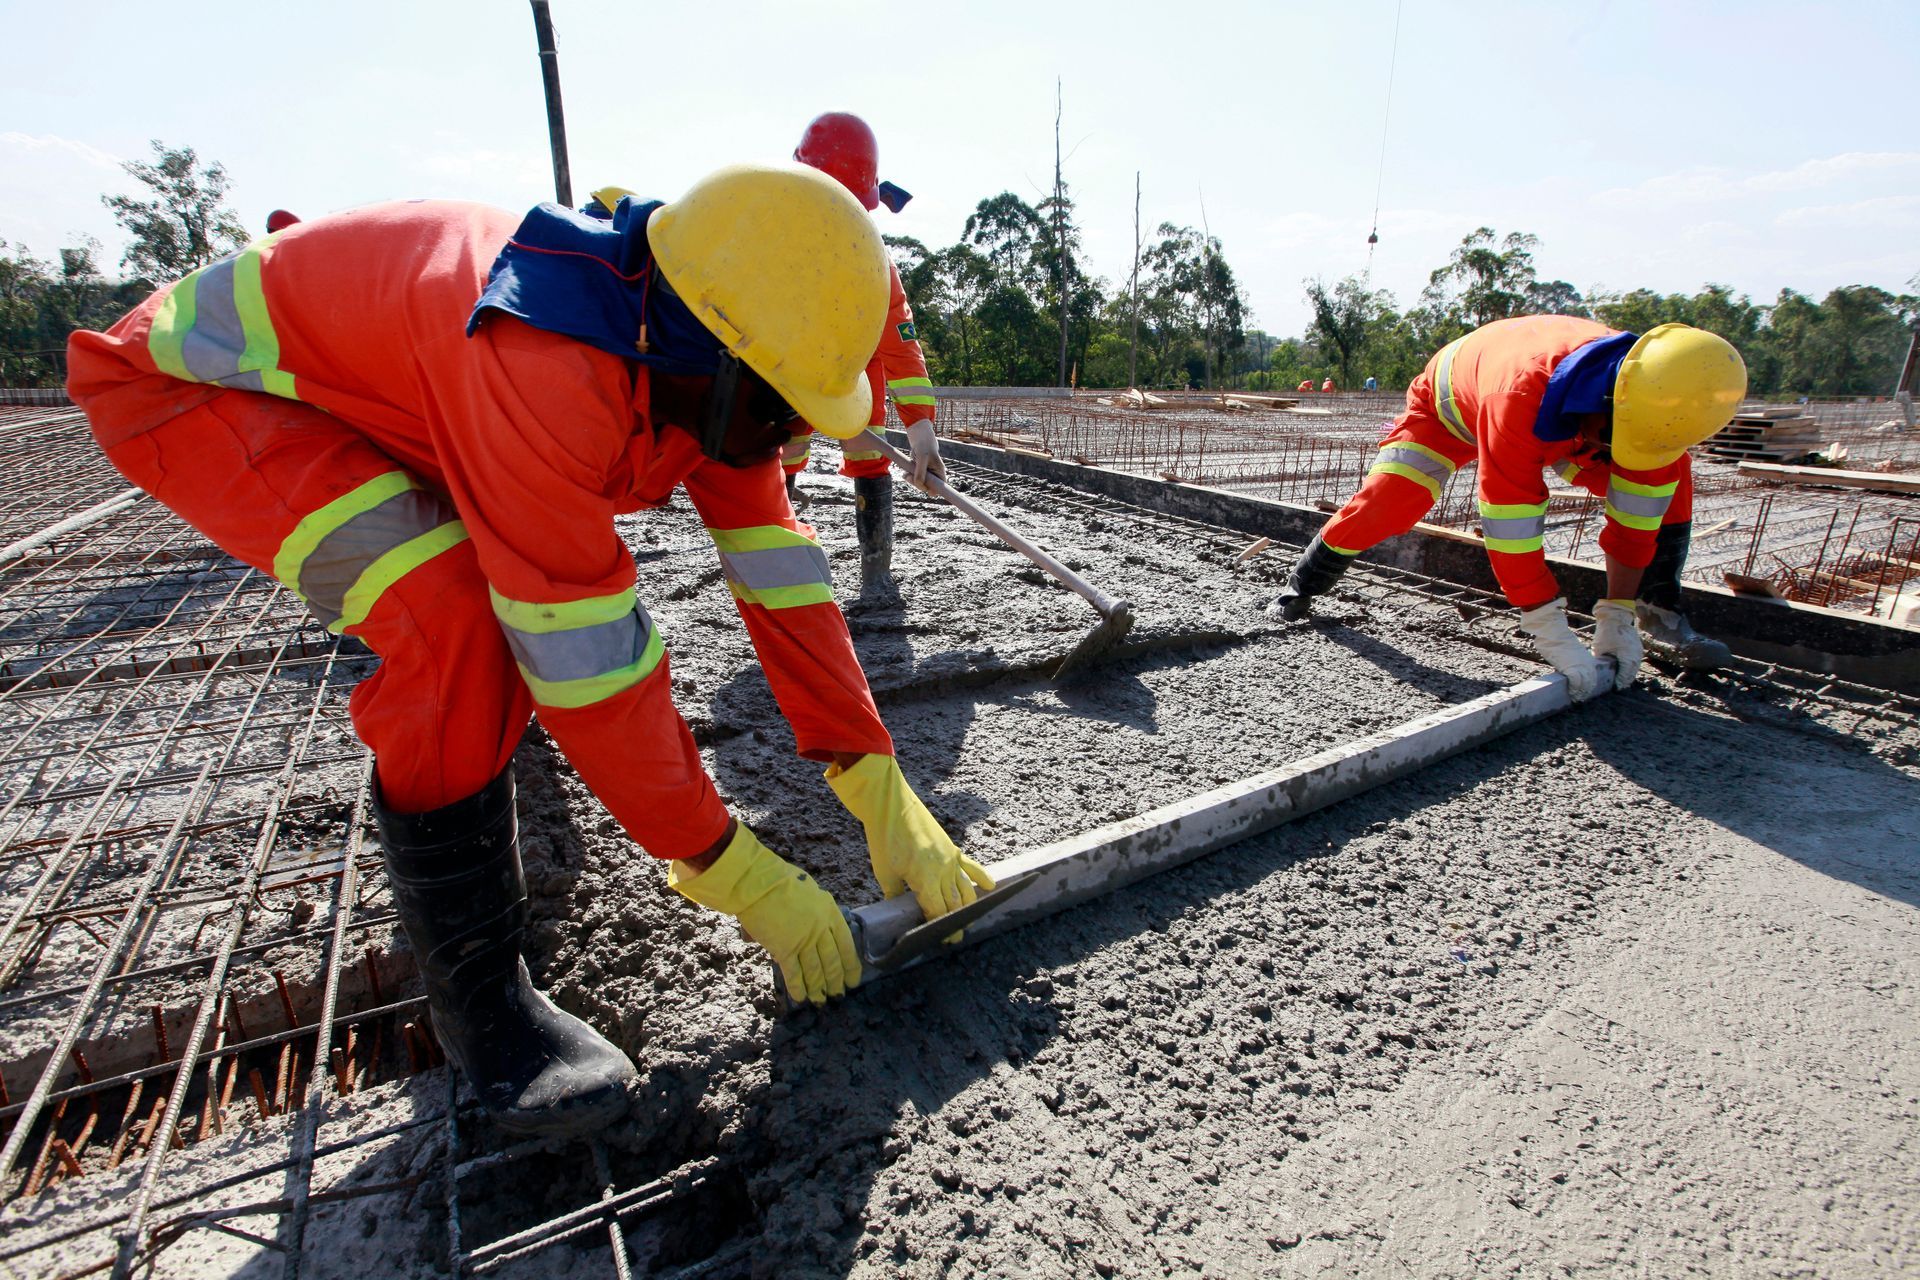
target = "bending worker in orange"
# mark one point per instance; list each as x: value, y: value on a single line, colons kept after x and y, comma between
x: 422, y: 418
x: 1612, y: 412
x: 842, y: 146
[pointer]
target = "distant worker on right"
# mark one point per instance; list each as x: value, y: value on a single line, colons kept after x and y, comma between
x: 1611, y: 412
x: 1371, y: 384
x: 1326, y: 388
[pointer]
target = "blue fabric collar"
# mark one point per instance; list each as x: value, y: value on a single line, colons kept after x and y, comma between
x: 1581, y: 383
x: 594, y: 279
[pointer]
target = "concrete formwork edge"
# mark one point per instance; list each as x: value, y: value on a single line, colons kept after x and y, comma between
x: 1097, y: 862
x: 1797, y: 635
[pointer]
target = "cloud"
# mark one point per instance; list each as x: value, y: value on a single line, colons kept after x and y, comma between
x: 50, y: 150
x: 1707, y: 184
x: 1881, y: 212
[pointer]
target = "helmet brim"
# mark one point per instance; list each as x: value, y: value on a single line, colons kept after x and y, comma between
x: 842, y: 417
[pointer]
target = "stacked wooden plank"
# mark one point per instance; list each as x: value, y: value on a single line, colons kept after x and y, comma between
x: 1781, y: 433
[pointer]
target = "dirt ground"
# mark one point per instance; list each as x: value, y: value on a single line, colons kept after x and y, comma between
x: 1631, y: 989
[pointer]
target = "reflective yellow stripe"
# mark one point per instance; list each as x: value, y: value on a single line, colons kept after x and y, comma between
x: 1406, y: 472
x: 860, y: 455
x: 570, y: 694
x: 1340, y: 551
x: 570, y: 615
x: 263, y: 344
x: 171, y: 325
x: 1569, y: 471
x: 1625, y: 485
x: 309, y: 532
x: 783, y: 597
x: 392, y: 567
x: 1444, y: 403
x: 909, y: 390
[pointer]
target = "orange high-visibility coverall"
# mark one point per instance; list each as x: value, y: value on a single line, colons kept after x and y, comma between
x: 1306, y: 384
x: 899, y: 369
x: 1478, y: 398
x: 450, y: 501
x: 1326, y: 386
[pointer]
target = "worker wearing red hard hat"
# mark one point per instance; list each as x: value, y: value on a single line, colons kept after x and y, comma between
x: 422, y: 418
x: 1611, y: 412
x: 841, y: 145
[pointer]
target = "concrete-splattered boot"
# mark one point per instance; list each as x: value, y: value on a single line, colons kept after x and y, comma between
x: 873, y: 524
x: 462, y: 899
x: 1661, y: 621
x: 1318, y: 568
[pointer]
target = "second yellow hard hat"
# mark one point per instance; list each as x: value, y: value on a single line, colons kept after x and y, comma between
x: 1677, y: 386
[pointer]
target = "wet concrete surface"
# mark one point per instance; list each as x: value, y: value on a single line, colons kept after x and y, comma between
x: 1628, y: 989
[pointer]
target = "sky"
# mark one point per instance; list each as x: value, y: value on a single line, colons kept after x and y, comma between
x: 1661, y: 145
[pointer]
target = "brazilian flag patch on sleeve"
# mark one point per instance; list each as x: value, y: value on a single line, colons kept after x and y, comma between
x: 907, y: 332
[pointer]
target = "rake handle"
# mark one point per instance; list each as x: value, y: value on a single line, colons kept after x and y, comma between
x: 1100, y: 600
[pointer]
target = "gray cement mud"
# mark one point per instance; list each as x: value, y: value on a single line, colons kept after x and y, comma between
x: 1629, y: 989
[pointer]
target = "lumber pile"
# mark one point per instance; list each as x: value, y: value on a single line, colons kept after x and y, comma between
x: 1241, y: 400
x: 1782, y: 433
x: 1135, y: 398
x: 1882, y: 482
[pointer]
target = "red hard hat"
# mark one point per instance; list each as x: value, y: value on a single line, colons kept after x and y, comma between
x: 841, y: 145
x: 280, y: 220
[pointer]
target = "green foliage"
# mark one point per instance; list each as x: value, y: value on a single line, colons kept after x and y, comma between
x: 1851, y: 343
x: 183, y: 224
x: 988, y: 308
x: 41, y: 304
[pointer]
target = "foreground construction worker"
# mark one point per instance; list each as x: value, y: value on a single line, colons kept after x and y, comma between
x: 1611, y: 412
x: 422, y: 418
x: 842, y: 146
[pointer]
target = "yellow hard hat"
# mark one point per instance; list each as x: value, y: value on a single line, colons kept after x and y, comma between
x: 1677, y: 386
x: 782, y: 265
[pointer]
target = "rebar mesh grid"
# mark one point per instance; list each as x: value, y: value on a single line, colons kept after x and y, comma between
x: 199, y: 979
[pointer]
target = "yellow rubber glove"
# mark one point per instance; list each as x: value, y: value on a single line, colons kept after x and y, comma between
x: 783, y: 910
x: 907, y: 847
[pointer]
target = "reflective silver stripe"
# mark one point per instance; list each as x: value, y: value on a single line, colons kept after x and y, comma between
x: 1638, y: 504
x: 1419, y: 461
x: 212, y: 350
x: 583, y: 652
x: 1516, y: 528
x: 336, y: 563
x: 776, y: 567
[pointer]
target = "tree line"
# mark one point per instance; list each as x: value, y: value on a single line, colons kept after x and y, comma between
x: 1011, y: 303
x: 1851, y: 342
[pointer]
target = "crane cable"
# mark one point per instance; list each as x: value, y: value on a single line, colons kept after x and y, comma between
x: 1373, y: 236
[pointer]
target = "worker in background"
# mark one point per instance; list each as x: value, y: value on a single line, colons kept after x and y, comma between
x: 422, y: 418
x: 842, y: 146
x: 1326, y: 388
x: 1306, y: 384
x: 1371, y: 384
x: 1612, y: 412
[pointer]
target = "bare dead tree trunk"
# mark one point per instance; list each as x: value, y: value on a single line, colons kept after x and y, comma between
x: 1133, y: 290
x: 1060, y: 230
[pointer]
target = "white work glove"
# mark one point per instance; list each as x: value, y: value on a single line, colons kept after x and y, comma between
x: 926, y: 453
x: 1558, y: 645
x: 1616, y: 635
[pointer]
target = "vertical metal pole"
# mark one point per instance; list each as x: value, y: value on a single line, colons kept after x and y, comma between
x: 556, y: 120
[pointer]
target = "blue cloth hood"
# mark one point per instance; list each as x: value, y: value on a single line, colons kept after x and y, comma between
x: 595, y: 279
x: 1581, y: 383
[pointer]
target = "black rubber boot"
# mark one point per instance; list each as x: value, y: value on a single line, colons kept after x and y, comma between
x: 1661, y: 621
x: 462, y: 899
x: 796, y: 497
x: 873, y: 524
x: 1318, y: 568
